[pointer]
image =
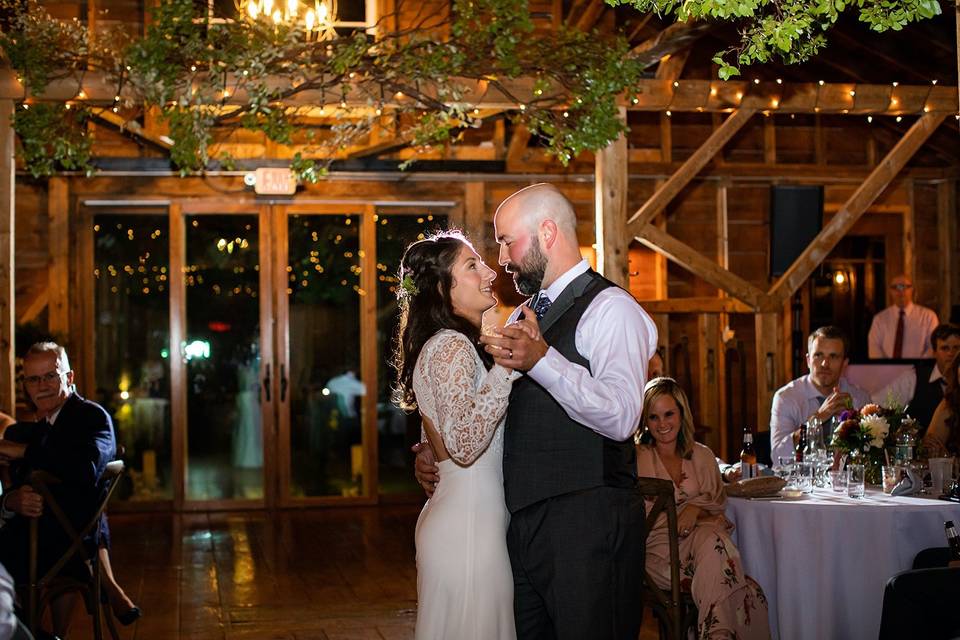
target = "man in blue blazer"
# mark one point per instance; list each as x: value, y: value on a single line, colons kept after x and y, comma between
x: 72, y: 440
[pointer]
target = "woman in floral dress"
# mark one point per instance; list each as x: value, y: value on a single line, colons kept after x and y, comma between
x: 729, y: 603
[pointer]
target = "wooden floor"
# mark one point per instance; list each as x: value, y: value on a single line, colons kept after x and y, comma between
x: 322, y: 574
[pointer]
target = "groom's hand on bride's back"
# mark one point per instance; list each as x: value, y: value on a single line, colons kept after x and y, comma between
x: 519, y: 345
x: 425, y: 467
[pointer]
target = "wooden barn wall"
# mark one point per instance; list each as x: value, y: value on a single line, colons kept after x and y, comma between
x: 826, y: 152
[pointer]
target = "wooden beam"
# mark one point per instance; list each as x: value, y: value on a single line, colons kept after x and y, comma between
x: 696, y: 305
x: 650, y: 94
x: 671, y: 65
x: 8, y: 395
x: 708, y: 359
x: 666, y: 138
x: 676, y: 37
x: 610, y: 189
x: 855, y: 206
x: 178, y: 366
x: 517, y: 149
x: 701, y: 266
x: 946, y: 242
x: 369, y: 359
x: 134, y: 129
x: 475, y: 220
x: 767, y: 350
x: 688, y: 170
x: 589, y: 16
x: 909, y: 238
x: 769, y: 141
x: 58, y: 245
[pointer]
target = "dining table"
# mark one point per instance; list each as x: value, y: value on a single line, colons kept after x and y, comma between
x: 823, y: 560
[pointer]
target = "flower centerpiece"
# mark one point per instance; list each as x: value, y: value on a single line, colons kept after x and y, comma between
x: 866, y: 434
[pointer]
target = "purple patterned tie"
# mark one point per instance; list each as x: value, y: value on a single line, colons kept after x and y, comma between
x: 541, y: 305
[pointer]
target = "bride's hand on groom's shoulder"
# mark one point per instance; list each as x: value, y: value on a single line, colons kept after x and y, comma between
x: 519, y: 345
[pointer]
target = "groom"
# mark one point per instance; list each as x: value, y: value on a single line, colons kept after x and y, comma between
x: 575, y: 536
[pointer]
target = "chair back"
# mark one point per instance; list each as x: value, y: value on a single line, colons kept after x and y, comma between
x: 41, y: 481
x: 670, y: 603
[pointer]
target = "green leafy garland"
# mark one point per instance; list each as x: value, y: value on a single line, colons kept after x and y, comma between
x: 188, y: 67
x: 791, y: 30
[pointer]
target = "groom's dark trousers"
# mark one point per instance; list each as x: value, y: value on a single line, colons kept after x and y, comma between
x: 577, y: 523
x: 577, y: 565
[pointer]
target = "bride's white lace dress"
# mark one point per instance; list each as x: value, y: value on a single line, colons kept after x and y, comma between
x: 464, y: 582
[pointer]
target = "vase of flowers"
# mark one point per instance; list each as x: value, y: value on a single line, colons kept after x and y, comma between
x: 867, y: 434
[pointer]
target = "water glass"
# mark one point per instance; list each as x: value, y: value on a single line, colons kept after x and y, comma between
x: 803, y: 476
x: 940, y: 471
x: 855, y: 481
x: 838, y: 480
x: 891, y: 476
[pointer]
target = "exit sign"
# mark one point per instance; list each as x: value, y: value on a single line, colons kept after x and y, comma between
x: 275, y: 182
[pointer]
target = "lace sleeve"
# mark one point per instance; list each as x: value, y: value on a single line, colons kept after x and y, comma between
x: 467, y: 414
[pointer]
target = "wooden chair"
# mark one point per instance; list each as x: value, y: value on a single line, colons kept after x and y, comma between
x: 675, y: 610
x: 51, y: 586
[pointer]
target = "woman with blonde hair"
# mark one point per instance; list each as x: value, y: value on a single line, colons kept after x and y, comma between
x: 729, y: 603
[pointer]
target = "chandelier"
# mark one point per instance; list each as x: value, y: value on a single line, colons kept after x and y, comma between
x: 316, y: 20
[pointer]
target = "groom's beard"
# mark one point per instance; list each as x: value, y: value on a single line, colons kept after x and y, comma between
x: 528, y: 275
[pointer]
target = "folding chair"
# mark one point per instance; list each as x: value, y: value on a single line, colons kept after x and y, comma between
x: 51, y: 586
x: 675, y: 611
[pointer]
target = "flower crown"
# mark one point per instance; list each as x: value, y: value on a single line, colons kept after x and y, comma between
x: 408, y: 285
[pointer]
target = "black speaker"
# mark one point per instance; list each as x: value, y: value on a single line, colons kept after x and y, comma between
x: 796, y: 217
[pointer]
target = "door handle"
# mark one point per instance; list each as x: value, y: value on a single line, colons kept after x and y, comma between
x: 266, y: 384
x: 283, y: 383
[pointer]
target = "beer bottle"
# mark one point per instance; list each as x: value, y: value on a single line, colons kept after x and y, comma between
x: 953, y: 540
x: 748, y: 456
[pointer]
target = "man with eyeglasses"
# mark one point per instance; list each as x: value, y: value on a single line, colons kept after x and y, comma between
x: 903, y: 329
x: 72, y: 440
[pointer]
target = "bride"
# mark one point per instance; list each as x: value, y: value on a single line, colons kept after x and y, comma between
x: 464, y: 581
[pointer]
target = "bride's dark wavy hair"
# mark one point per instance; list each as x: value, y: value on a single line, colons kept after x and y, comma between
x: 424, y: 299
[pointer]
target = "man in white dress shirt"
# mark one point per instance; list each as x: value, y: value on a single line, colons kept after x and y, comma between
x: 576, y: 530
x: 823, y: 393
x: 903, y: 329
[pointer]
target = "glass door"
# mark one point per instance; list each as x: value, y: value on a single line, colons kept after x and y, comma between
x: 324, y: 308
x: 130, y: 305
x: 223, y: 336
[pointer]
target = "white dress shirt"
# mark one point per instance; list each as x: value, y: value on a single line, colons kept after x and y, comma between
x: 918, y: 323
x: 793, y: 404
x: 902, y: 389
x: 618, y: 338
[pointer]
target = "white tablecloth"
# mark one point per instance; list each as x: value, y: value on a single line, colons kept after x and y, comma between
x: 823, y: 561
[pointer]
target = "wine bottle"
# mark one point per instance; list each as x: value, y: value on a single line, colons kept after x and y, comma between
x: 748, y: 456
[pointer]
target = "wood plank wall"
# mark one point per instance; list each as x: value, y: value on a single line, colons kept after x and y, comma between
x: 691, y: 217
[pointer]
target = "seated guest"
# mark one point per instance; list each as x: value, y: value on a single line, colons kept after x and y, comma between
x: 729, y: 603
x: 921, y: 388
x: 943, y: 436
x: 903, y: 329
x: 823, y: 393
x: 73, y: 441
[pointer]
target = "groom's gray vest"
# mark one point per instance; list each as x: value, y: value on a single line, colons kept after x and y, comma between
x: 546, y: 453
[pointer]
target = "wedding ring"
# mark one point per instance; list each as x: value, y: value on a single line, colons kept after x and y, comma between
x: 511, y: 354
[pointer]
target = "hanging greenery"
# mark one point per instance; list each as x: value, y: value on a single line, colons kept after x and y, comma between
x: 206, y: 78
x: 790, y: 30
